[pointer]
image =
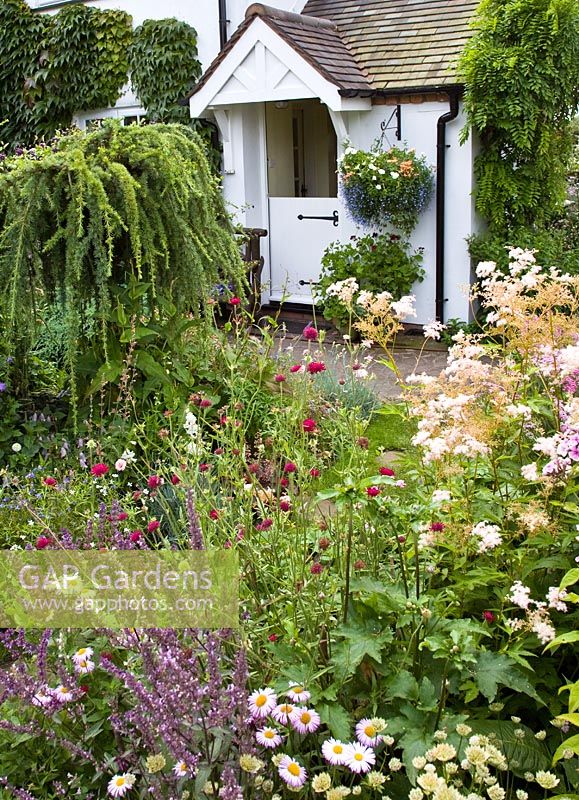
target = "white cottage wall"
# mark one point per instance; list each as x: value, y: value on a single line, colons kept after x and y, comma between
x: 418, y: 126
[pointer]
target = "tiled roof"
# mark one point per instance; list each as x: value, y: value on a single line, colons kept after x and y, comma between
x: 316, y: 40
x: 401, y: 44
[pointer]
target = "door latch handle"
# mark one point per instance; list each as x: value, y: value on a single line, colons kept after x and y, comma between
x: 334, y: 218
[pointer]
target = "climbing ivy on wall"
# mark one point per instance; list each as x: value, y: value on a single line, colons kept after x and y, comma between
x: 79, y: 59
x: 164, y: 67
x: 521, y: 71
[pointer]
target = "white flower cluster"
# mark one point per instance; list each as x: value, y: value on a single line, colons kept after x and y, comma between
x: 344, y: 291
x: 489, y: 536
x: 536, y: 619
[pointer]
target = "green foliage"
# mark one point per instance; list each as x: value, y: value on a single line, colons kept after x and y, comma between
x: 80, y: 58
x: 521, y: 70
x: 95, y: 209
x: 54, y: 65
x: 378, y: 263
x: 164, y: 67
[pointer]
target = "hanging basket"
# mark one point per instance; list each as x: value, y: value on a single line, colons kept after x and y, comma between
x: 390, y: 187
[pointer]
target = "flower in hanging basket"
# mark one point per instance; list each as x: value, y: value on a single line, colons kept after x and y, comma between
x: 385, y: 187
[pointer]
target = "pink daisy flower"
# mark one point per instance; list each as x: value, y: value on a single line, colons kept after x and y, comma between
x: 359, y: 758
x: 262, y: 702
x: 292, y: 772
x: 297, y: 693
x: 268, y: 737
x: 282, y: 713
x: 367, y: 734
x: 334, y: 751
x: 305, y: 720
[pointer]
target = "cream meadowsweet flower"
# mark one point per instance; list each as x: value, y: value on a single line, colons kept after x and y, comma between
x: 262, y: 702
x: 155, y: 763
x: 376, y: 779
x: 321, y: 782
x: 359, y: 758
x: 442, y: 752
x: 251, y: 764
x: 338, y: 793
x: 119, y: 785
x: 546, y: 780
x: 428, y: 782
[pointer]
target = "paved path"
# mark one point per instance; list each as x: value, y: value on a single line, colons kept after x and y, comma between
x: 383, y: 380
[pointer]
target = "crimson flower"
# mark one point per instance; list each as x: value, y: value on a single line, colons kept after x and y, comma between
x: 175, y: 480
x: 284, y: 482
x: 489, y: 617
x: 42, y: 542
x: 359, y: 564
x: 154, y: 481
x: 204, y: 467
x: 315, y: 472
x: 99, y: 470
x: 205, y: 404
x: 295, y: 368
x: 324, y: 543
x: 437, y: 527
x: 272, y: 637
x: 289, y: 467
x: 135, y: 536
x: 373, y: 491
x: 279, y: 378
x: 122, y: 516
x: 153, y: 525
x: 214, y: 514
x: 316, y: 366
x: 264, y: 524
x: 284, y: 505
x: 316, y: 568
x: 387, y: 471
x: 309, y: 425
x: 235, y: 301
x: 310, y: 333
x: 49, y: 481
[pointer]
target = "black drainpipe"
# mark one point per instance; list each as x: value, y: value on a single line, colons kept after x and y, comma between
x: 441, y: 146
x: 223, y: 23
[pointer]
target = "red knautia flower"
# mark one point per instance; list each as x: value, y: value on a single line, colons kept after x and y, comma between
x: 98, y: 470
x: 324, y: 543
x: 122, y: 516
x: 316, y: 568
x: 42, y: 542
x: 309, y: 425
x: 289, y: 467
x: 316, y: 366
x: 204, y: 467
x: 310, y: 333
x: 214, y: 514
x: 135, y: 536
x: 84, y: 688
x: 253, y: 468
x: 153, y: 525
x: 359, y: 564
x: 264, y: 524
x: 154, y: 481
x: 227, y: 545
x: 273, y: 637
x: 489, y: 617
x: 205, y: 403
x: 363, y: 442
x: 315, y: 472
x: 175, y: 480
x: 218, y: 451
x: 137, y: 496
x: 223, y: 419
x: 373, y: 491
x: 235, y: 301
x: 402, y: 539
x: 284, y: 505
x: 387, y: 471
x: 279, y: 378
x: 240, y: 534
x: 284, y: 482
x: 49, y: 481
x: 437, y: 527
x: 296, y: 368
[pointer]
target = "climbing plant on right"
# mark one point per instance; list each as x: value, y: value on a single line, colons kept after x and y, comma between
x: 521, y: 72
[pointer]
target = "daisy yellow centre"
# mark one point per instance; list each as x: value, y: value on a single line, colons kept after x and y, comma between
x: 81, y: 652
x: 261, y: 701
x: 120, y: 782
x: 370, y: 731
x: 338, y: 749
x: 269, y: 734
x: 297, y: 689
x: 358, y: 757
x: 286, y: 709
x: 293, y: 769
x: 306, y: 718
x: 64, y: 689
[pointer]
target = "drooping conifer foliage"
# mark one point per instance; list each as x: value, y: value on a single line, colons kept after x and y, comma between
x: 90, y: 211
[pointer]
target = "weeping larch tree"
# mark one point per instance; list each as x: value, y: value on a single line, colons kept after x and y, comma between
x: 91, y: 211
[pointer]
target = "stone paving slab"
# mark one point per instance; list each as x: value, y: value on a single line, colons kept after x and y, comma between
x: 381, y: 378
